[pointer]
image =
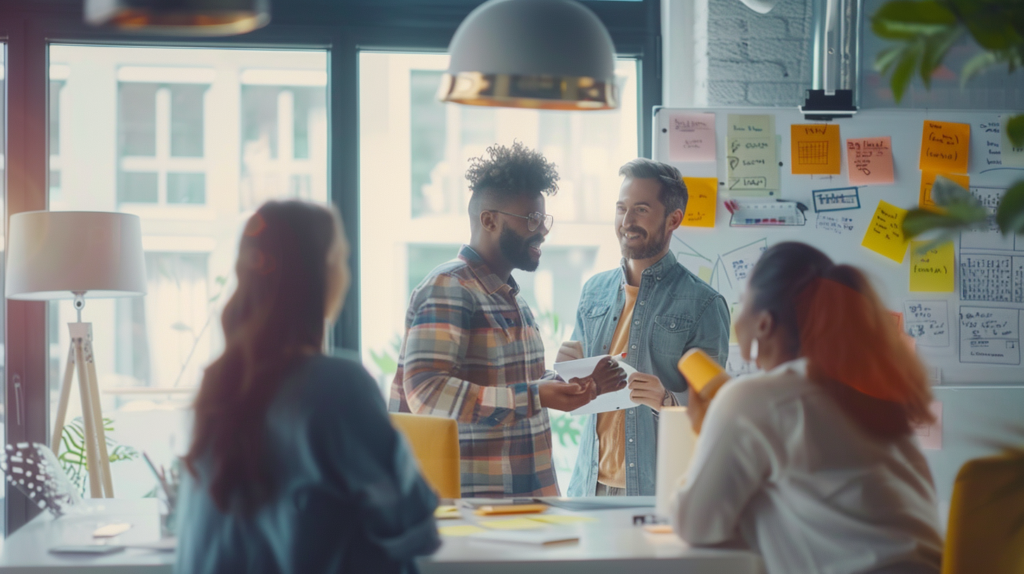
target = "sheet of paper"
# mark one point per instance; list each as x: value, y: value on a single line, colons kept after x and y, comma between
x: 838, y: 224
x: 869, y: 161
x: 945, y: 147
x: 930, y: 436
x: 928, y: 180
x: 815, y: 149
x: 838, y: 199
x: 927, y: 322
x: 700, y: 206
x: 1011, y: 155
x: 753, y: 161
x: 932, y: 270
x: 691, y: 137
x: 996, y: 278
x: 562, y: 518
x: 603, y: 403
x: 885, y: 232
x: 459, y: 530
x: 738, y: 265
x: 447, y: 512
x: 512, y: 524
x: 989, y: 335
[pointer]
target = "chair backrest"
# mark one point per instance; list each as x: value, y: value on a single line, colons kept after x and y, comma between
x: 986, y: 518
x: 435, y: 444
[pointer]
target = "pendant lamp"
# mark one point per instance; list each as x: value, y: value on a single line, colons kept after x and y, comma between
x: 542, y: 54
x: 180, y: 17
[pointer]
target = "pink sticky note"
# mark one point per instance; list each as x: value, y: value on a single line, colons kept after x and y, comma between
x: 691, y: 137
x: 930, y: 436
x: 869, y: 161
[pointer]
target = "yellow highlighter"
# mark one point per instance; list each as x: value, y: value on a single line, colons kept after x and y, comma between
x: 703, y: 374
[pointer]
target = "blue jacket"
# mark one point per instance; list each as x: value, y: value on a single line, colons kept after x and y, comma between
x: 675, y: 311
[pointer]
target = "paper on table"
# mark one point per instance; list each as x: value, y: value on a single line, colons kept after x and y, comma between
x: 1011, y: 155
x: 933, y: 269
x: 885, y: 232
x: 603, y: 403
x: 540, y: 537
x: 815, y: 149
x: 944, y: 146
x: 459, y: 530
x: 512, y: 524
x: 691, y: 137
x: 753, y: 164
x: 703, y: 197
x: 562, y: 518
x: 925, y: 200
x: 869, y: 161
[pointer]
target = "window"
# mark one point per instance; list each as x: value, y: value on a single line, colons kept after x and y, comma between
x: 168, y: 134
x: 414, y: 152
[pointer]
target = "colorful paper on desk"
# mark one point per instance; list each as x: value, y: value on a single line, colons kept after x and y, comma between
x: 1011, y: 155
x: 447, y: 512
x: 869, y: 161
x: 945, y: 147
x: 562, y: 519
x: 932, y: 270
x: 885, y: 232
x: 539, y: 538
x: 815, y: 149
x: 703, y: 197
x: 925, y: 200
x: 691, y: 137
x: 459, y: 530
x: 753, y: 161
x: 605, y: 402
x: 512, y: 524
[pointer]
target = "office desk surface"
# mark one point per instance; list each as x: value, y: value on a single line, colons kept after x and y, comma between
x: 610, y: 544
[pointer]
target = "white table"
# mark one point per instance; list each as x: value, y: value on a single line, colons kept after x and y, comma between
x: 27, y: 550
x: 611, y: 544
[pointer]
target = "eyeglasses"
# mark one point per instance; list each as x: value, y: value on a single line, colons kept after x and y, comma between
x: 533, y: 221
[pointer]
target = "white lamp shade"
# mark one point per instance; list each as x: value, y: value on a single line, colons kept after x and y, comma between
x: 547, y: 54
x: 53, y: 254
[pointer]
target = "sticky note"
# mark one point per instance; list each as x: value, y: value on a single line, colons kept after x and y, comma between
x: 945, y: 146
x: 752, y: 156
x: 704, y: 273
x: 700, y: 207
x: 447, y: 512
x: 930, y: 436
x: 815, y: 148
x: 512, y: 524
x: 869, y: 161
x: 885, y: 232
x: 691, y: 137
x: 932, y: 270
x: 1011, y: 155
x: 459, y: 530
x: 925, y: 200
x: 562, y: 519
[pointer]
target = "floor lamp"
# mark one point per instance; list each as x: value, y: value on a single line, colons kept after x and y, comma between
x: 77, y: 255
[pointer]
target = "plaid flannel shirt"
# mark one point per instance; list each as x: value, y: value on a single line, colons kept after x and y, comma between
x: 472, y: 352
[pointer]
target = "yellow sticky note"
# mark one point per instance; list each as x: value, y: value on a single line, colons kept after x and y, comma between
x: 885, y: 232
x: 815, y: 148
x: 932, y: 270
x: 700, y: 207
x: 562, y: 519
x: 945, y: 146
x: 512, y: 524
x: 459, y: 530
x: 446, y: 512
x: 928, y: 180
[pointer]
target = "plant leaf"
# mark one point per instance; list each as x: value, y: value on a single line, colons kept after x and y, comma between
x: 1010, y: 215
x: 1015, y: 130
x: 887, y: 58
x: 906, y: 19
x: 935, y: 50
x: 976, y: 65
x: 903, y: 73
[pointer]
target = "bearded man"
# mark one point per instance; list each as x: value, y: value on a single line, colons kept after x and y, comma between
x: 649, y: 311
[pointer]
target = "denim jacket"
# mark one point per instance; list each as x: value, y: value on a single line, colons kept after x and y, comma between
x: 675, y: 311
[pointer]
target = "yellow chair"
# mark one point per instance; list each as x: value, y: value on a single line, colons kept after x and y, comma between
x: 435, y: 444
x: 985, y: 534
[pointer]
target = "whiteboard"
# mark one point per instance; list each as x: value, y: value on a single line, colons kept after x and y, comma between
x: 716, y: 253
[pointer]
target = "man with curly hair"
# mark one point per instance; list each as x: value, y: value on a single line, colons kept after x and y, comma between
x: 472, y: 351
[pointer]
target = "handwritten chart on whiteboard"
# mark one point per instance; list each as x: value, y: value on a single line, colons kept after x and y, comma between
x: 962, y: 303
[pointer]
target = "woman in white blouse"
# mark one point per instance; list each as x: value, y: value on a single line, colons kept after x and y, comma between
x: 813, y: 462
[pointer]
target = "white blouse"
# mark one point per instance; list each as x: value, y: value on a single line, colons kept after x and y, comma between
x: 781, y: 467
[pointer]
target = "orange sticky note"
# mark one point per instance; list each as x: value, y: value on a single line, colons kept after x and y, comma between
x: 815, y: 148
x: 945, y: 146
x: 885, y: 232
x: 703, y: 197
x: 869, y: 161
x: 928, y: 180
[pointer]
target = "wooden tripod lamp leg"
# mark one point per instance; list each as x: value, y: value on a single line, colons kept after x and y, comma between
x: 62, y: 406
x: 91, y: 446
x: 97, y: 414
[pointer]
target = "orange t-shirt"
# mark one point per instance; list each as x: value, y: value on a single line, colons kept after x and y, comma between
x: 611, y: 427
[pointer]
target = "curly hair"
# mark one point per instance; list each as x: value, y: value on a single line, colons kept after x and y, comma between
x: 512, y: 172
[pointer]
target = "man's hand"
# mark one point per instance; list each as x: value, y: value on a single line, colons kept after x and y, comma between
x: 696, y: 410
x: 608, y: 376
x: 567, y: 396
x: 646, y: 390
x: 569, y: 351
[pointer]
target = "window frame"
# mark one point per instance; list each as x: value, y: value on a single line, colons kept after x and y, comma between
x: 343, y: 30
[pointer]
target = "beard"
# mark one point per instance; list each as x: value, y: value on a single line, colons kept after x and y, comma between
x: 653, y: 245
x: 516, y: 249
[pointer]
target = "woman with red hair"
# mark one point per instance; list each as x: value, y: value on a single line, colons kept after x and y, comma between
x: 813, y: 462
